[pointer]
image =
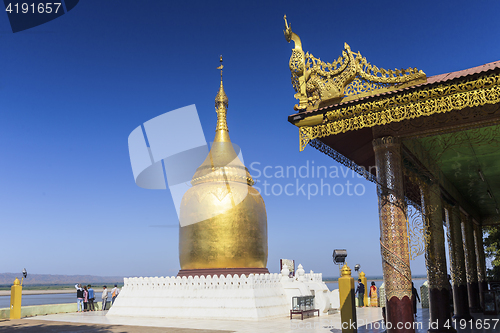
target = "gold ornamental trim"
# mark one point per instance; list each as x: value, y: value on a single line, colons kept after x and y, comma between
x: 416, y: 217
x: 398, y: 275
x: 469, y: 248
x: 380, y: 143
x: 481, y: 261
x: 405, y: 106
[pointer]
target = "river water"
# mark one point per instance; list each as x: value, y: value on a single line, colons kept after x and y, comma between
x: 71, y: 297
x: 334, y: 285
x: 40, y: 299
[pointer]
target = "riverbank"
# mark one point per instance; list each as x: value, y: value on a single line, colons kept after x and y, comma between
x: 51, y: 291
x: 377, y: 279
x: 99, y: 290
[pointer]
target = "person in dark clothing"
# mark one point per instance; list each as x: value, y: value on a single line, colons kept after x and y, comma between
x: 91, y: 298
x: 414, y: 297
x: 360, y: 290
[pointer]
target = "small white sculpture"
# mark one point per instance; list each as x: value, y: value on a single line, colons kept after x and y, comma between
x: 285, y: 272
x: 300, y: 273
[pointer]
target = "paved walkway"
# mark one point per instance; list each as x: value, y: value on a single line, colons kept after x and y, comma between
x: 102, y: 323
x: 369, y: 321
x: 47, y: 326
x: 422, y: 324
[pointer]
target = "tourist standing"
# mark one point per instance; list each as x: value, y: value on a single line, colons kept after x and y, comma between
x: 104, y: 297
x: 373, y: 295
x: 79, y: 297
x: 91, y: 298
x: 114, y: 293
x: 414, y: 297
x: 85, y: 299
x: 360, y: 290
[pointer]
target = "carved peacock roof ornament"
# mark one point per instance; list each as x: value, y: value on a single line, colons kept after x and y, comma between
x: 351, y: 76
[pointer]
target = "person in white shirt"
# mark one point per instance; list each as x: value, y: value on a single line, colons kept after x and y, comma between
x: 79, y: 297
x: 104, y: 297
x: 114, y: 293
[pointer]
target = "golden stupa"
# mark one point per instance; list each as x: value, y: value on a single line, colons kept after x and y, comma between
x: 223, y: 218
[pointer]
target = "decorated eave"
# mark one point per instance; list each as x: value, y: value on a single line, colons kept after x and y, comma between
x: 474, y: 87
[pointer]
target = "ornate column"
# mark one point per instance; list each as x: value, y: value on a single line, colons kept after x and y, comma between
x: 481, y: 263
x: 470, y: 263
x: 435, y: 261
x: 393, y: 235
x: 457, y: 264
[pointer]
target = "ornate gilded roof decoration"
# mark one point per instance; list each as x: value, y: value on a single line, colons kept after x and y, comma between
x: 469, y: 92
x: 350, y: 77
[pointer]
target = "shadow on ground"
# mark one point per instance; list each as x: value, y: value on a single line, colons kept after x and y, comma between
x: 42, y: 326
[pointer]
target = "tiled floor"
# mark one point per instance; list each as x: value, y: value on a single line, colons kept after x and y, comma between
x: 369, y: 321
x: 46, y: 326
x: 422, y: 324
x: 329, y: 323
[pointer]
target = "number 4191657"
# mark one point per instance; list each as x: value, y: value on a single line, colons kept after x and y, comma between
x: 487, y: 323
x: 41, y: 8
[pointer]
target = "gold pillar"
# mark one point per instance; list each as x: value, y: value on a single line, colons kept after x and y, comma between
x: 347, y: 303
x: 435, y: 259
x: 470, y: 263
x: 362, y: 277
x: 481, y: 263
x: 393, y: 234
x: 457, y: 264
x: 16, y: 294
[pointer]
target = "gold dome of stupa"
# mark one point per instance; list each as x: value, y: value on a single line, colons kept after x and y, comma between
x: 223, y: 218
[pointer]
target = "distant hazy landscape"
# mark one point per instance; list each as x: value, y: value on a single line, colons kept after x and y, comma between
x: 371, y: 278
x: 7, y: 279
x: 48, y: 281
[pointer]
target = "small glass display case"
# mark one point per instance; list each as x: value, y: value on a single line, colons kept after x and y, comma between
x: 303, y: 303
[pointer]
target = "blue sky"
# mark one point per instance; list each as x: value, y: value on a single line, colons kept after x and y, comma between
x: 73, y: 89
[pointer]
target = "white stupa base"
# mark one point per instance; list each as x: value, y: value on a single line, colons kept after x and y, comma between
x: 231, y: 297
x: 256, y: 297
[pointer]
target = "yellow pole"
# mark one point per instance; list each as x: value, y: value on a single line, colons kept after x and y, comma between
x: 16, y: 294
x: 347, y: 305
x: 362, y: 276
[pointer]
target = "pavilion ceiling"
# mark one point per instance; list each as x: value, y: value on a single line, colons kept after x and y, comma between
x: 470, y: 160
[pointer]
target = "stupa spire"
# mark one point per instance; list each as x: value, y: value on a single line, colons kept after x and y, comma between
x: 222, y: 162
x: 221, y: 105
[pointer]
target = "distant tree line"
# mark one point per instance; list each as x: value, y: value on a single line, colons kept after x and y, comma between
x: 492, y: 251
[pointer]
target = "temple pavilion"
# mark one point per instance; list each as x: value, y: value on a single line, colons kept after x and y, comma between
x: 431, y: 145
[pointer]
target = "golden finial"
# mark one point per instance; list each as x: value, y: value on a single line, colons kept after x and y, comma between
x: 221, y: 103
x: 220, y: 67
x: 345, y: 271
